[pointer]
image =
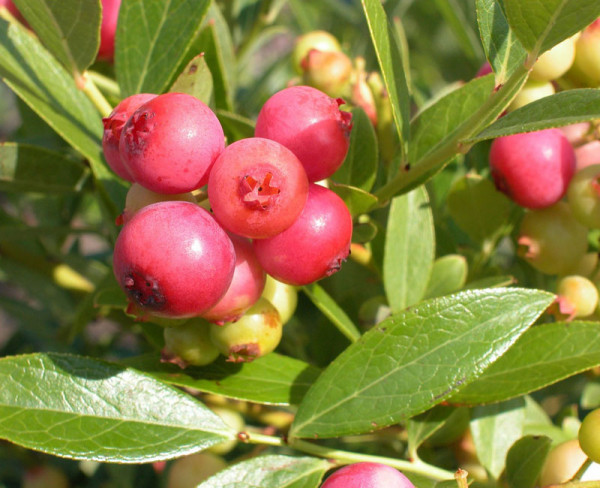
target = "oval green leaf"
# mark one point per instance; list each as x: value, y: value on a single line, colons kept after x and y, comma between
x: 541, y: 357
x: 525, y: 460
x: 448, y: 275
x: 358, y: 201
x: 70, y: 29
x: 541, y: 24
x: 272, y: 471
x: 152, y: 39
x: 409, y: 249
x: 82, y: 408
x: 195, y: 80
x: 416, y: 359
x: 273, y: 379
x: 564, y: 108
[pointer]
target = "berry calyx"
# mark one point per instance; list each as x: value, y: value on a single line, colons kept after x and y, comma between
x: 257, y: 188
x: 367, y: 475
x: 113, y: 126
x: 533, y: 169
x: 577, y: 297
x: 314, y: 246
x: 310, y: 124
x: 173, y: 260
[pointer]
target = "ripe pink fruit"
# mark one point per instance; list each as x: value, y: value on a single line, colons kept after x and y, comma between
x: 367, y: 475
x: 246, y: 286
x: 257, y: 188
x: 173, y: 260
x: 113, y: 125
x: 314, y: 246
x: 170, y: 143
x: 110, y: 15
x: 311, y: 125
x: 534, y: 169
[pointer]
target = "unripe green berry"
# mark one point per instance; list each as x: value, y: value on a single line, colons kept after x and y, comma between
x: 255, y: 334
x: 282, y: 296
x: 329, y: 72
x: 587, y: 53
x: 139, y: 197
x: 589, y: 438
x: 551, y: 239
x: 532, y: 90
x: 234, y: 420
x: 320, y: 40
x: 555, y: 62
x: 189, y: 344
x: 577, y: 297
x: 583, y: 196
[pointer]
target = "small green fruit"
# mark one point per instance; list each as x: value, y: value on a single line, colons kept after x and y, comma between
x: 189, y: 344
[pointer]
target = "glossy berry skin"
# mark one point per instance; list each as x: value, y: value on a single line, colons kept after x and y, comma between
x: 282, y: 296
x: 533, y: 169
x: 173, y: 260
x: 311, y: 125
x: 589, y: 440
x: 113, y: 126
x: 108, y: 28
x: 256, y: 333
x: 552, y: 240
x: 577, y: 297
x: 189, y: 344
x: 329, y: 72
x: 367, y: 475
x: 314, y: 246
x: 555, y: 62
x: 170, y: 143
x: 257, y: 188
x: 246, y: 286
x: 532, y: 90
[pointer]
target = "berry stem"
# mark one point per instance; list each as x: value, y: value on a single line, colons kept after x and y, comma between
x: 95, y: 95
x: 461, y: 478
x: 584, y: 467
x: 345, y: 457
x: 104, y: 83
x: 457, y: 143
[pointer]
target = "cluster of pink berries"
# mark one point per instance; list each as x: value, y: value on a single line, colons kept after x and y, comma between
x: 177, y: 260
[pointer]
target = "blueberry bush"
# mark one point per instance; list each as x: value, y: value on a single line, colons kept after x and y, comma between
x: 405, y: 305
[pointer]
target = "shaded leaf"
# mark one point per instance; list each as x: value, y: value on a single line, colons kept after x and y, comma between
x: 70, y: 29
x: 388, y: 53
x: 542, y: 356
x: 235, y: 126
x: 152, y: 39
x: 358, y: 201
x: 525, y: 460
x: 359, y: 169
x: 272, y: 379
x: 415, y: 359
x: 409, y: 249
x: 477, y: 207
x: 272, y: 471
x: 195, y: 80
x: 87, y: 409
x: 563, y: 108
x: 541, y: 24
x: 29, y: 168
x: 495, y: 428
x: 502, y: 49
x: 332, y: 311
x: 448, y: 275
x: 423, y: 426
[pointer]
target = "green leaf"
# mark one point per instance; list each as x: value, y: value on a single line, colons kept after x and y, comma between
x: 541, y: 357
x: 70, y: 29
x: 455, y: 18
x: 359, y: 169
x: 44, y: 85
x: 82, y: 408
x: 423, y: 426
x: 358, y: 201
x: 215, y: 40
x: 409, y: 249
x: 525, y: 460
x: 563, y: 108
x: 235, y: 126
x: 152, y: 39
x: 477, y: 207
x: 195, y: 80
x: 272, y: 471
x: 27, y: 168
x: 272, y: 379
x: 495, y: 428
x: 448, y: 275
x: 387, y: 49
x: 415, y: 359
x: 436, y: 124
x: 331, y: 310
x: 502, y: 49
x: 541, y: 24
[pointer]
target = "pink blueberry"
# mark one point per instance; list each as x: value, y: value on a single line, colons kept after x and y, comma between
x: 367, y: 475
